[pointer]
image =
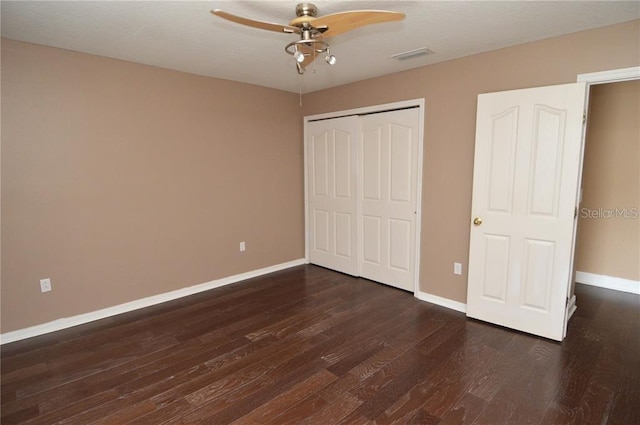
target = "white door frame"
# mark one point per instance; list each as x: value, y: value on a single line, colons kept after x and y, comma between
x: 591, y: 79
x: 420, y: 102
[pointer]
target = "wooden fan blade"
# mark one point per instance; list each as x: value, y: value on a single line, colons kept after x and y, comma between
x: 256, y: 24
x: 347, y: 21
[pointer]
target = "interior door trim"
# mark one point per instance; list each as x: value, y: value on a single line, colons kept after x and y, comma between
x: 610, y: 76
x: 591, y: 79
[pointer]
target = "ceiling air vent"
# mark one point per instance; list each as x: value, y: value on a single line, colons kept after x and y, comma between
x: 423, y: 51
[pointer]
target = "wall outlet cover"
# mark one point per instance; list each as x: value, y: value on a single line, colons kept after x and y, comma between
x: 45, y: 285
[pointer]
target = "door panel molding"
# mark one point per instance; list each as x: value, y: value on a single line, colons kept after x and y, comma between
x: 332, y: 203
x: 392, y: 136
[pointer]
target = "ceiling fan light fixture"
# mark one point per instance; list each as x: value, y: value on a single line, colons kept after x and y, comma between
x: 314, y: 30
x: 331, y: 60
x: 298, y: 56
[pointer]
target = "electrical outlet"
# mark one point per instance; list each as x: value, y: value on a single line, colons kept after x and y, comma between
x: 45, y: 285
x: 242, y: 246
x: 457, y: 268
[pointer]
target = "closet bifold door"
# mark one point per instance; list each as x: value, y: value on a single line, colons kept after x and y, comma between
x: 332, y: 202
x: 387, y: 187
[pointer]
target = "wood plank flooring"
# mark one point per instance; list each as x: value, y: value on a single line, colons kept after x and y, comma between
x: 311, y: 346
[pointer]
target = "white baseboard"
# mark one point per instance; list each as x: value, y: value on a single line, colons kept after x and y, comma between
x: 609, y: 282
x: 80, y: 319
x: 443, y: 302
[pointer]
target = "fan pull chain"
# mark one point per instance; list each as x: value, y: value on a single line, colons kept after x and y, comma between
x: 314, y: 61
x: 300, y: 88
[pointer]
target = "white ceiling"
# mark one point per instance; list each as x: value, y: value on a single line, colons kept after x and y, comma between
x: 183, y: 35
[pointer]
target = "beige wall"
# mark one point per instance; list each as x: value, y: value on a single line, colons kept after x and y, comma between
x: 121, y: 181
x: 450, y: 90
x: 609, y: 244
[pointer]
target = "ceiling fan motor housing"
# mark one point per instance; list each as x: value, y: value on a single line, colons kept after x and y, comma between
x: 306, y: 9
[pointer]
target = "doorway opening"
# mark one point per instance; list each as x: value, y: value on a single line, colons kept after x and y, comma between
x: 608, y: 226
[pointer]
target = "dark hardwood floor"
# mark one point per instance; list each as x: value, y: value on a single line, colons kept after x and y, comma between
x: 307, y: 345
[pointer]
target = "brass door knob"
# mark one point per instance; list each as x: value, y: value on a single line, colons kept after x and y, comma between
x: 477, y: 221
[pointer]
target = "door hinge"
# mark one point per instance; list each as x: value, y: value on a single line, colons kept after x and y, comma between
x: 575, y: 213
x: 584, y: 118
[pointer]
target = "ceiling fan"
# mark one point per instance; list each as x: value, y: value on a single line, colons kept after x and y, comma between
x: 314, y: 30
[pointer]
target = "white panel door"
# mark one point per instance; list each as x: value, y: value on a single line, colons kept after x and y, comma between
x: 525, y: 186
x: 331, y: 150
x: 388, y: 170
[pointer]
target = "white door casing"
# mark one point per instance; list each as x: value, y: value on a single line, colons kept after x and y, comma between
x: 332, y: 202
x: 387, y: 182
x: 525, y: 187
